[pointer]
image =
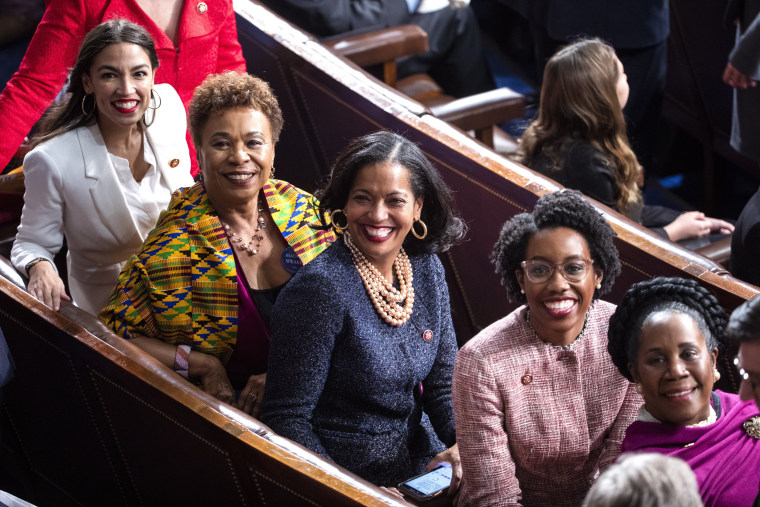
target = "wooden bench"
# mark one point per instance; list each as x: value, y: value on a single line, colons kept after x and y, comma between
x: 91, y: 419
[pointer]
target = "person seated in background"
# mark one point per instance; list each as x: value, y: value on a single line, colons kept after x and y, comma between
x: 745, y: 243
x: 207, y: 43
x: 579, y: 139
x: 363, y: 344
x: 645, y: 480
x: 744, y: 327
x: 666, y: 335
x: 103, y: 167
x: 455, y: 60
x: 199, y: 294
x: 539, y: 406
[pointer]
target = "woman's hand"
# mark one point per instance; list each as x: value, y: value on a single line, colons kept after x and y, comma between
x: 213, y: 377
x: 46, y: 285
x: 252, y: 394
x: 694, y: 224
x: 736, y: 79
x: 450, y: 455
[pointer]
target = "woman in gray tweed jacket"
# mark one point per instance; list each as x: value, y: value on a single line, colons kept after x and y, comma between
x: 363, y: 346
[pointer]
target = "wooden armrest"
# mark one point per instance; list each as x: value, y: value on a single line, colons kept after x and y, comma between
x: 483, y: 110
x: 719, y: 251
x: 381, y: 46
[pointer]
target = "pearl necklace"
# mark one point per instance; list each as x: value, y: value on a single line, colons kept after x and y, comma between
x: 385, y: 297
x: 261, y: 223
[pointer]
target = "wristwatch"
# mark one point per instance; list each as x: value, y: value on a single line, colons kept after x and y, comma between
x: 32, y: 263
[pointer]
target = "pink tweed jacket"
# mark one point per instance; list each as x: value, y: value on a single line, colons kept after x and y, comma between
x: 535, y: 423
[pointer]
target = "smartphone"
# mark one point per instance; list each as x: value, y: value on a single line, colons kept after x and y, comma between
x: 428, y: 485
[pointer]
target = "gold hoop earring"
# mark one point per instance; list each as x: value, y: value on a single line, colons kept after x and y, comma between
x: 417, y: 235
x: 338, y: 228
x: 94, y: 104
x: 153, y: 99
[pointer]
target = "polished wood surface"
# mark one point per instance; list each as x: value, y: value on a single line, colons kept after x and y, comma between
x: 91, y: 419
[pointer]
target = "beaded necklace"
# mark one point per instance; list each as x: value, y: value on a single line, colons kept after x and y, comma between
x: 385, y: 297
x: 261, y: 224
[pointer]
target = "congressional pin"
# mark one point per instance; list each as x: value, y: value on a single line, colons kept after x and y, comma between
x: 201, y: 7
x: 174, y: 163
x: 290, y: 260
x: 427, y: 335
x: 526, y: 379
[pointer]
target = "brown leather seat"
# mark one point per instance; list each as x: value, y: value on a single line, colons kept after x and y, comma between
x: 479, y: 113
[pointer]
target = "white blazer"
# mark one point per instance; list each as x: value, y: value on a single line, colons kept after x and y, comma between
x: 72, y: 190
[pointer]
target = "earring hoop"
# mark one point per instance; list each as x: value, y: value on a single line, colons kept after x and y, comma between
x: 417, y: 235
x: 153, y: 99
x: 336, y: 226
x: 94, y: 105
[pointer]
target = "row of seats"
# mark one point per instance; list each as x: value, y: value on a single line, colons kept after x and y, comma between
x: 107, y: 423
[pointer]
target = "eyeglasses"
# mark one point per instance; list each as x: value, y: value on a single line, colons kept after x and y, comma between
x: 753, y: 382
x: 541, y: 271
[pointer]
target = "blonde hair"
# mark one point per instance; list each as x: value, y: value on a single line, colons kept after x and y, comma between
x: 579, y: 98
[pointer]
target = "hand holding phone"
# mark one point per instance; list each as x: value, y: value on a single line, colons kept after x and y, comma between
x: 428, y: 485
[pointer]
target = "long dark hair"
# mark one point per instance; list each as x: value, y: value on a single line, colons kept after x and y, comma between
x: 68, y: 114
x: 445, y: 228
x: 579, y: 98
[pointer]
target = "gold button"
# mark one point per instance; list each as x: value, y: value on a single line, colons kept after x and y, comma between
x: 526, y: 379
x: 201, y: 8
x: 174, y: 162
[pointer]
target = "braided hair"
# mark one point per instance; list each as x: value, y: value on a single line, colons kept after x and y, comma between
x: 644, y: 299
x: 564, y: 208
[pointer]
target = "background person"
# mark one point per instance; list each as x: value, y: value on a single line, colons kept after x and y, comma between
x: 199, y: 294
x: 539, y: 406
x: 455, y: 59
x: 744, y: 326
x: 579, y: 139
x: 666, y: 335
x: 193, y: 39
x: 104, y: 166
x: 645, y: 480
x: 362, y: 340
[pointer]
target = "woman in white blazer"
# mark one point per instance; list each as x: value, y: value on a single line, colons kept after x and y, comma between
x: 102, y: 170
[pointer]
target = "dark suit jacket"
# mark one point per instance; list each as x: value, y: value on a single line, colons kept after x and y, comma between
x: 330, y: 17
x: 626, y: 24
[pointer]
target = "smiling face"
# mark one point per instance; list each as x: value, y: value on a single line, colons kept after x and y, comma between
x: 558, y: 307
x: 674, y: 368
x: 121, y: 78
x: 236, y: 155
x: 381, y: 208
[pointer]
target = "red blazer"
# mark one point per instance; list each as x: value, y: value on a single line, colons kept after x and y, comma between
x: 208, y: 44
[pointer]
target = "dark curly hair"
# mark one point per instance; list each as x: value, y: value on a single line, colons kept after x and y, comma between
x: 646, y: 298
x: 565, y: 208
x: 744, y: 323
x: 445, y: 228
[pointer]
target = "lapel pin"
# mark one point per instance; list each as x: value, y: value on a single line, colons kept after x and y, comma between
x: 174, y: 162
x: 201, y: 7
x: 427, y: 335
x: 526, y: 379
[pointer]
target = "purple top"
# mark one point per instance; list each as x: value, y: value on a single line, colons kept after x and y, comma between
x: 252, y: 347
x: 725, y: 459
